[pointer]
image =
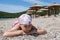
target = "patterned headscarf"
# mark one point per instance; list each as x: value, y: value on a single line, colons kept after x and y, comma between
x: 25, y: 19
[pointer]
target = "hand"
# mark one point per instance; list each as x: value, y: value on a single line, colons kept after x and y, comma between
x: 31, y: 32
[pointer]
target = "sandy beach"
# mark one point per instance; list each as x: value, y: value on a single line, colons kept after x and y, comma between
x: 50, y: 24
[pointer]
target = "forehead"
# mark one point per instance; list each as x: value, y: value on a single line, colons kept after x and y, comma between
x: 25, y: 24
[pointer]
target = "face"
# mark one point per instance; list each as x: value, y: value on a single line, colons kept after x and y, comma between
x: 25, y: 27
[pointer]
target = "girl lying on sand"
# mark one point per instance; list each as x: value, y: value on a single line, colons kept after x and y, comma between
x: 23, y: 26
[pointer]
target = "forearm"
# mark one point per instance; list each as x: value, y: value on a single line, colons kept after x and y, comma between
x: 34, y: 31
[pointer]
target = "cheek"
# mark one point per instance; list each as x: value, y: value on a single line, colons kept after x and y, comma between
x: 23, y: 28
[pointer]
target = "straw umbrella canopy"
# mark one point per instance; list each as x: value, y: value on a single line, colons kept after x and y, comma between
x: 43, y: 9
x: 35, y: 7
x: 30, y: 11
x: 39, y: 11
x: 55, y: 7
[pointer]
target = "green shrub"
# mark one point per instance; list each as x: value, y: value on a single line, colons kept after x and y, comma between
x: 40, y: 13
x: 10, y: 15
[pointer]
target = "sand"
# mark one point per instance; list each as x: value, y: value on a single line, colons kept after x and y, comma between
x: 50, y: 24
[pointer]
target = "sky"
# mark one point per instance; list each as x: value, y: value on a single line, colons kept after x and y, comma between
x: 14, y: 6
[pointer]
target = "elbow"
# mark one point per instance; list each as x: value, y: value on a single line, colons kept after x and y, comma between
x: 4, y: 34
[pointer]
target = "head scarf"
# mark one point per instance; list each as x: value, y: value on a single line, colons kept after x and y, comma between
x: 25, y: 19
